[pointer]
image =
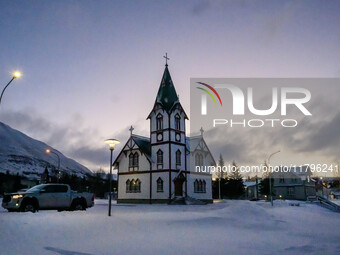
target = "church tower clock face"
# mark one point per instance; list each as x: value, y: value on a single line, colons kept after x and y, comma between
x: 160, y: 137
x: 178, y: 137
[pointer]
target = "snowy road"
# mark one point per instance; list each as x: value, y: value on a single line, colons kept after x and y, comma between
x: 230, y: 227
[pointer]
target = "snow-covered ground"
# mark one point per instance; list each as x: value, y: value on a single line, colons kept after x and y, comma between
x: 228, y: 227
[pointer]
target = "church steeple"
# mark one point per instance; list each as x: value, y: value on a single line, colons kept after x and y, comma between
x: 167, y: 96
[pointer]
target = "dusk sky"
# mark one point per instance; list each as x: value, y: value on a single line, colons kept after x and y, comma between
x: 92, y: 68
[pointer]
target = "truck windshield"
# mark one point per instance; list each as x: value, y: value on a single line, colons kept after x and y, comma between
x: 36, y: 188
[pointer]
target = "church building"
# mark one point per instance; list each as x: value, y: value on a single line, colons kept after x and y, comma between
x: 161, y: 168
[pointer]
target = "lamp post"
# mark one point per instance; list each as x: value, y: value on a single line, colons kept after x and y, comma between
x: 270, y: 179
x: 15, y: 75
x: 49, y: 151
x: 111, y: 143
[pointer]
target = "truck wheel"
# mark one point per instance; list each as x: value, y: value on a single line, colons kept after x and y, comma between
x: 78, y: 205
x: 29, y: 207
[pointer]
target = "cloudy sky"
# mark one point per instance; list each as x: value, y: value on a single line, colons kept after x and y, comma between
x: 92, y: 68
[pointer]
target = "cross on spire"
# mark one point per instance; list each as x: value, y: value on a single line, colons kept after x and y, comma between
x: 131, y: 129
x: 166, y: 58
x: 202, y: 131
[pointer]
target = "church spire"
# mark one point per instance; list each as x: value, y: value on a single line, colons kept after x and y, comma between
x: 167, y: 95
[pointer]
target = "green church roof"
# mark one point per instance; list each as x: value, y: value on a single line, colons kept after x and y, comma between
x: 167, y: 95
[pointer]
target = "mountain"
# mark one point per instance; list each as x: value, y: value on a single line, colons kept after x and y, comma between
x: 22, y: 154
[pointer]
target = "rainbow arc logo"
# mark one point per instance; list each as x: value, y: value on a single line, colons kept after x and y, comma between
x: 209, y: 93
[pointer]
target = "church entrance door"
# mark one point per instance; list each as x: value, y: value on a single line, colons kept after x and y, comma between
x: 178, y: 181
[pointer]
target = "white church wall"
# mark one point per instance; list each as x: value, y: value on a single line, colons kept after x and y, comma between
x: 124, y: 162
x: 191, y: 191
x: 165, y: 149
x: 165, y: 178
x: 174, y: 148
x: 145, y: 186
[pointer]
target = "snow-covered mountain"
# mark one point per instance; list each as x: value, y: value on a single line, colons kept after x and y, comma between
x: 22, y: 154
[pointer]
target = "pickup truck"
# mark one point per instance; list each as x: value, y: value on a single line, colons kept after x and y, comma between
x: 47, y: 196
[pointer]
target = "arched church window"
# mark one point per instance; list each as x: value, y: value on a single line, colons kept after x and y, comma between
x: 132, y: 186
x: 135, y: 161
x: 137, y: 186
x: 200, y: 186
x: 196, y: 186
x: 159, y: 159
x: 178, y: 122
x: 199, y: 159
x: 159, y: 122
x: 178, y: 157
x: 128, y: 186
x: 131, y: 162
x: 159, y: 185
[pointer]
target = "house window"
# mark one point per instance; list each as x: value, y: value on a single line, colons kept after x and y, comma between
x: 159, y: 185
x: 291, y: 191
x: 282, y: 179
x: 178, y: 157
x: 159, y: 122
x: 178, y: 122
x: 200, y: 186
x: 159, y: 159
x: 133, y: 161
x: 199, y: 159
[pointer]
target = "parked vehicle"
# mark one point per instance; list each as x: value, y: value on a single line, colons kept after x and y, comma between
x: 46, y: 197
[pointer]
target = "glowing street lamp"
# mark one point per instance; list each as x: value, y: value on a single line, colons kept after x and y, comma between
x: 16, y: 74
x: 112, y: 143
x: 48, y: 151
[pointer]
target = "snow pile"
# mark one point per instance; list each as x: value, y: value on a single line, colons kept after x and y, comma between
x: 229, y: 227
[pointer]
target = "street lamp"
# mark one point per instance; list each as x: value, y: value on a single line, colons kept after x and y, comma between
x: 111, y: 143
x: 270, y: 179
x: 48, y: 151
x: 16, y: 74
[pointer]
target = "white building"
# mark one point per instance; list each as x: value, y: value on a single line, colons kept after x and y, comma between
x: 162, y: 167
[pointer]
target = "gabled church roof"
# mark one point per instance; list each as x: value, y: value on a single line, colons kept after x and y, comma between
x: 167, y: 95
x: 144, y: 144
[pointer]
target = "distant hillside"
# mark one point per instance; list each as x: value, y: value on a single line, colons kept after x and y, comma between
x: 22, y: 154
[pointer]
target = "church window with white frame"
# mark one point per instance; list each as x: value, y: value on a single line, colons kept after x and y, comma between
x: 160, y: 185
x: 178, y: 158
x: 178, y: 122
x: 159, y: 159
x: 159, y: 122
